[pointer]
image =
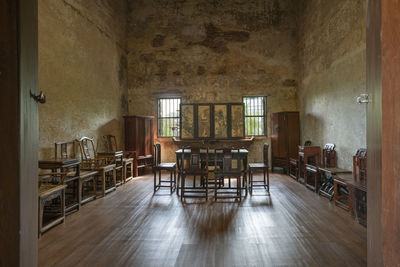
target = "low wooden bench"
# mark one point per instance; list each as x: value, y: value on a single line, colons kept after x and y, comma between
x: 48, y: 192
x: 86, y: 177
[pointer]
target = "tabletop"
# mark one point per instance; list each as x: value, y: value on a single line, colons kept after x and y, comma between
x: 188, y: 150
x: 58, y: 163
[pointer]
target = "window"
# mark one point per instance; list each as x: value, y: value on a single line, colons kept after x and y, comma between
x: 168, y: 117
x: 254, y: 115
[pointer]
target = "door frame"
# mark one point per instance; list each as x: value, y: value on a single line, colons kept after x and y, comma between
x: 18, y: 133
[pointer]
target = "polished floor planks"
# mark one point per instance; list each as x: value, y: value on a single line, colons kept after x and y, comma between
x: 132, y: 227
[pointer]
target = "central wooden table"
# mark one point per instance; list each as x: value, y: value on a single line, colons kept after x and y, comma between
x: 243, y: 155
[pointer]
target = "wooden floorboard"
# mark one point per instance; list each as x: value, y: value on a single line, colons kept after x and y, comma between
x: 132, y: 227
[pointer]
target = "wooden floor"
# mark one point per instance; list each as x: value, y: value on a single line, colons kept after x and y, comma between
x: 132, y: 227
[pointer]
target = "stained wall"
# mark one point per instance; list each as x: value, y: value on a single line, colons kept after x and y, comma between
x: 332, y: 72
x: 82, y: 70
x: 212, y: 51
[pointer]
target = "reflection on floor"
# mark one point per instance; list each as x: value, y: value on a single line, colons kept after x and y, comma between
x: 133, y: 227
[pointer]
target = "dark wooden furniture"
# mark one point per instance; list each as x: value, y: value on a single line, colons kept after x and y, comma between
x: 56, y: 194
x: 327, y: 188
x: 329, y: 157
x: 197, y: 165
x: 360, y: 165
x: 264, y: 166
x: 91, y: 162
x: 228, y: 164
x: 307, y: 155
x: 116, y: 158
x: 71, y: 168
x: 285, y: 138
x: 312, y: 178
x: 139, y: 137
x: 214, y: 143
x: 87, y: 179
x: 242, y: 155
x: 293, y: 168
x: 163, y: 166
x: 358, y: 200
x: 294, y: 164
x: 87, y: 185
x: 128, y: 159
x: 341, y: 191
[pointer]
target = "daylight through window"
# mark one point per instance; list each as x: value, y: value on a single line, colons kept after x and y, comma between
x: 254, y: 115
x: 168, y: 117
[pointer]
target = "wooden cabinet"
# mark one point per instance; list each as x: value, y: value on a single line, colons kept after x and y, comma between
x: 285, y: 138
x: 139, y: 137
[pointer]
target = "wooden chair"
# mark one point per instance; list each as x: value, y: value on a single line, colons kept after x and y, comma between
x: 67, y: 150
x: 125, y: 168
x: 264, y: 166
x: 51, y: 189
x: 87, y: 179
x: 104, y: 165
x: 294, y: 164
x: 360, y: 165
x: 230, y: 170
x: 163, y: 166
x: 329, y: 158
x: 197, y: 166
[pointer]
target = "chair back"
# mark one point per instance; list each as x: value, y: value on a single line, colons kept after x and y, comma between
x: 110, y: 143
x: 157, y: 154
x: 265, y: 154
x: 87, y: 148
x: 307, y: 143
x: 65, y: 150
x: 329, y: 158
x: 229, y: 156
x: 197, y: 163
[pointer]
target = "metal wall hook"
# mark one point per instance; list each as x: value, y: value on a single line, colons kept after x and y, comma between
x: 40, y: 98
x: 363, y: 99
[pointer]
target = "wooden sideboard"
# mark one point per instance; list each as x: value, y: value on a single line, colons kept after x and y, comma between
x: 139, y: 137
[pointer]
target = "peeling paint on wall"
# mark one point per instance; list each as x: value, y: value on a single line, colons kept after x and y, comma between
x: 333, y: 64
x: 82, y: 70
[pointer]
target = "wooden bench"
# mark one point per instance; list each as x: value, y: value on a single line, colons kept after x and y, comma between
x: 49, y: 192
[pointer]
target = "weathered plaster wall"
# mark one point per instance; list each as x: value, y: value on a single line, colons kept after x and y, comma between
x: 82, y: 70
x: 333, y: 74
x: 212, y: 51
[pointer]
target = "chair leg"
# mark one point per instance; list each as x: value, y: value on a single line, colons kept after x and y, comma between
x: 182, y: 186
x: 206, y: 188
x: 170, y: 181
x: 155, y: 181
x: 159, y: 177
x: 251, y: 181
x: 268, y: 178
x: 265, y: 182
x: 215, y: 188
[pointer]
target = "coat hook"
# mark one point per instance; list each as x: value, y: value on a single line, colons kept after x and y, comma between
x: 363, y: 99
x: 40, y: 98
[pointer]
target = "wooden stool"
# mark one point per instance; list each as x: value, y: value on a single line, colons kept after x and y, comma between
x: 260, y: 166
x: 49, y: 192
x: 159, y: 166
